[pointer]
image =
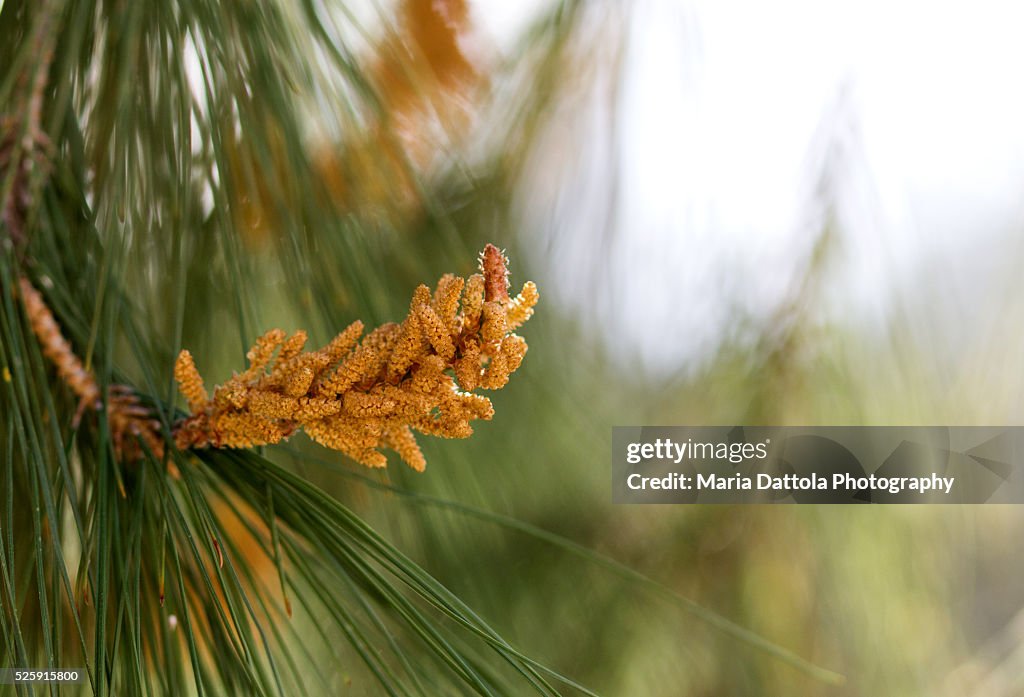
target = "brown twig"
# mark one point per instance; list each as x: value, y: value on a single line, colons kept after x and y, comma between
x: 128, y: 419
x: 25, y: 150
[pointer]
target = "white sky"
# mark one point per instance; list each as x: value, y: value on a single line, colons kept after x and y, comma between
x: 721, y: 120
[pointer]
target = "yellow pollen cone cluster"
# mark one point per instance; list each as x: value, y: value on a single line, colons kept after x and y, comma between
x: 358, y: 396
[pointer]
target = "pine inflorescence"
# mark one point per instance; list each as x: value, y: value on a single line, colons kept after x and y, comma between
x: 357, y: 396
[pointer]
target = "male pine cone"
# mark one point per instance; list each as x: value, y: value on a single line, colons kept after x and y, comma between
x: 357, y: 396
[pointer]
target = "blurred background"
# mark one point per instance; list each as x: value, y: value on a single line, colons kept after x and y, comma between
x: 795, y: 213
